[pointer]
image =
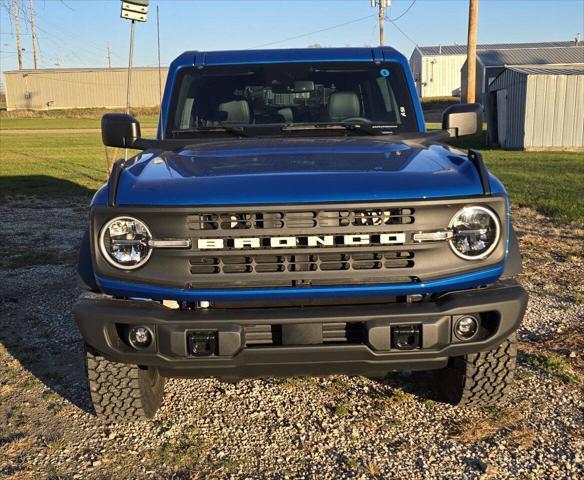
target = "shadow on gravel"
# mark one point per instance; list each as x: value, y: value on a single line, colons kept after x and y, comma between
x: 37, y: 295
x: 55, y: 356
x: 46, y: 185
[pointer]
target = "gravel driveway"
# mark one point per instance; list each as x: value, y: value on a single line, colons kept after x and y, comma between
x: 335, y: 427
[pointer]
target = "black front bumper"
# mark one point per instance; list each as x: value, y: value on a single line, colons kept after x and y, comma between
x: 103, y: 322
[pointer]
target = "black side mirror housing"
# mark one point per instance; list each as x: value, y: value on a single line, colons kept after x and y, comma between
x: 119, y: 130
x: 463, y: 120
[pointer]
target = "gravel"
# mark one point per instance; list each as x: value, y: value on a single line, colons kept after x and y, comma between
x: 335, y: 427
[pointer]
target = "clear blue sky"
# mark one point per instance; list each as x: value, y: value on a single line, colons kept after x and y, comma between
x: 74, y: 33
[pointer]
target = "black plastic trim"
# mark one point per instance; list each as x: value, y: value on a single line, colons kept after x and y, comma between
x: 477, y: 159
x: 514, y: 264
x: 98, y: 315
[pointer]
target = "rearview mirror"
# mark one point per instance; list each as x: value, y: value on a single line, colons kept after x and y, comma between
x: 301, y: 86
x: 463, y: 120
x: 119, y: 130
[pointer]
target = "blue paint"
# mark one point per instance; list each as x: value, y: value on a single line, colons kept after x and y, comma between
x: 282, y: 171
x: 460, y: 282
x: 285, y: 170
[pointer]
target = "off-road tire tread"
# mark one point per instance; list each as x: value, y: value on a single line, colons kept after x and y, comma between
x: 481, y: 379
x: 121, y: 392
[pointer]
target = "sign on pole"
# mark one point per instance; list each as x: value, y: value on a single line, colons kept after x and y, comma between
x: 135, y: 10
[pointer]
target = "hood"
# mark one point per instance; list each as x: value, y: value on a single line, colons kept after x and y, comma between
x: 279, y: 171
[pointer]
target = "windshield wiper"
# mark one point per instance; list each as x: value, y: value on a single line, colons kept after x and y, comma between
x: 362, y: 128
x: 238, y: 131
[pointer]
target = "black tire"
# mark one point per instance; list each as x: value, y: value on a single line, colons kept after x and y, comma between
x: 479, y: 379
x: 121, y: 392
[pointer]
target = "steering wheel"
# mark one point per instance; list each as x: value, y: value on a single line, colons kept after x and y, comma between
x: 356, y: 120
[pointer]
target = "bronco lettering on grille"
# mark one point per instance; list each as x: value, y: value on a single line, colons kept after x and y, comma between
x: 303, y: 241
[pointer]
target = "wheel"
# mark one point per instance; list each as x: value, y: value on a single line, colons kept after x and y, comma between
x: 479, y: 379
x: 121, y: 392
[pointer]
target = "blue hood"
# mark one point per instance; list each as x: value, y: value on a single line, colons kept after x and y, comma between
x: 267, y: 171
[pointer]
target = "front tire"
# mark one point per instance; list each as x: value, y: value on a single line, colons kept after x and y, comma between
x: 121, y: 392
x: 479, y: 379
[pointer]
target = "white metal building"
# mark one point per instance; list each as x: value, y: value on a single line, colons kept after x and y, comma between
x: 437, y: 69
x: 491, y: 63
x: 537, y: 108
x: 61, y: 88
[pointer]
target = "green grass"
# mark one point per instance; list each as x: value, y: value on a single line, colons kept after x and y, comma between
x: 553, y: 365
x: 549, y: 182
x: 51, y: 164
x: 64, y: 164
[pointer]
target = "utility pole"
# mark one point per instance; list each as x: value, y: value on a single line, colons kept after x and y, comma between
x: 382, y: 5
x: 109, y: 55
x: 471, y: 70
x: 33, y: 34
x: 17, y: 32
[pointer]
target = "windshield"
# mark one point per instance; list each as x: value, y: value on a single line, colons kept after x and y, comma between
x: 278, y: 98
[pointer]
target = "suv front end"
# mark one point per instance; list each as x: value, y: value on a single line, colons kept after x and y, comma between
x: 271, y: 256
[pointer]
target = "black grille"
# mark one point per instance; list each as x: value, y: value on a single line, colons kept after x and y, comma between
x: 323, y: 262
x: 332, y: 333
x: 301, y: 220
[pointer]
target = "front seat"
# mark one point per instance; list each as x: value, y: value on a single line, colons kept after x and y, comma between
x: 343, y: 105
x: 235, y: 111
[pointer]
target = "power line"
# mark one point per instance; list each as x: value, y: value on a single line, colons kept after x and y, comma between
x: 401, y: 31
x: 404, y: 13
x: 314, y: 32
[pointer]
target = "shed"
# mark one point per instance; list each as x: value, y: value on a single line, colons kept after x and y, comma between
x: 537, y: 108
x: 436, y: 69
x: 491, y: 63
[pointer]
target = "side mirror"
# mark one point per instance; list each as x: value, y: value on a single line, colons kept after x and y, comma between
x: 119, y: 130
x: 463, y: 120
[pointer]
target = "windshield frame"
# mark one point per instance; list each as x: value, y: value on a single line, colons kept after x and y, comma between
x: 311, y: 128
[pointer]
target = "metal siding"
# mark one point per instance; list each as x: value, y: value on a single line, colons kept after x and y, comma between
x: 556, y: 111
x: 83, y: 88
x: 443, y: 77
x: 416, y: 67
x: 515, y: 84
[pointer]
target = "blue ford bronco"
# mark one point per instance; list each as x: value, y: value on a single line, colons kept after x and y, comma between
x: 293, y: 217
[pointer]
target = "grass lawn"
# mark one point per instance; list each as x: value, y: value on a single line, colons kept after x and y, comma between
x: 62, y: 164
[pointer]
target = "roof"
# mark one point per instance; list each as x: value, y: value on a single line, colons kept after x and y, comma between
x: 513, y: 73
x: 532, y: 56
x: 235, y: 57
x: 548, y: 70
x: 76, y: 70
x: 461, y: 49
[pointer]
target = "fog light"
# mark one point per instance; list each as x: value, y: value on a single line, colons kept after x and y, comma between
x: 140, y: 337
x: 466, y: 327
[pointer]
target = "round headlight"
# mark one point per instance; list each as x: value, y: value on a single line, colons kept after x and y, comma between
x: 123, y: 242
x: 475, y: 233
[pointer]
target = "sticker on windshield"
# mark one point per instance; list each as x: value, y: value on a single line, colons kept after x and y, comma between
x: 384, y: 72
x: 402, y: 112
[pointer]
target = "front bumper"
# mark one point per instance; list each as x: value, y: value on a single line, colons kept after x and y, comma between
x: 103, y: 321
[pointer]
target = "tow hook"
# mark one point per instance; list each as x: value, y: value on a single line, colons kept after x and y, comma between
x: 406, y: 337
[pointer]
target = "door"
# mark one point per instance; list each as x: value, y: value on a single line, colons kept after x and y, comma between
x: 502, y: 117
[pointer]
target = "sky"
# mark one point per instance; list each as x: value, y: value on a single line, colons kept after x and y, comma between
x: 75, y: 33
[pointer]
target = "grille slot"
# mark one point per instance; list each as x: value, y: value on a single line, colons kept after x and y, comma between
x: 257, y: 336
x: 324, y: 262
x: 343, y: 219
